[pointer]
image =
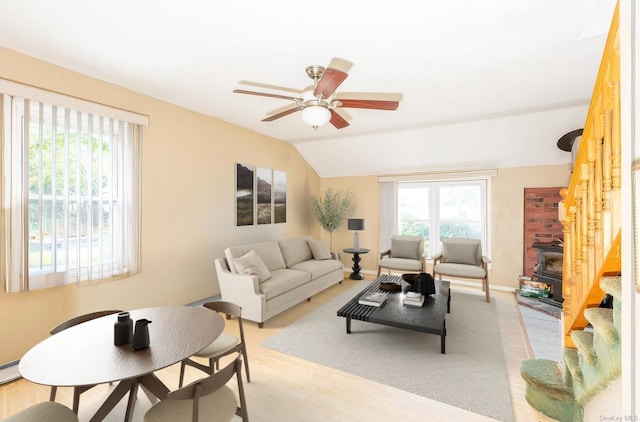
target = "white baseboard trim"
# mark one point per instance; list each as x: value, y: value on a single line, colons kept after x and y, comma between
x: 491, y: 287
x: 9, y: 372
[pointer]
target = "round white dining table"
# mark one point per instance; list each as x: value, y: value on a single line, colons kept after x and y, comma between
x: 85, y: 354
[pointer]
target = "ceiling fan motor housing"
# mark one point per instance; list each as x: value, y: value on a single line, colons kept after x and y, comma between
x: 308, y: 99
x: 315, y: 71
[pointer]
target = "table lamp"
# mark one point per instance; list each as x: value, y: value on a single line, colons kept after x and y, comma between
x: 356, y: 224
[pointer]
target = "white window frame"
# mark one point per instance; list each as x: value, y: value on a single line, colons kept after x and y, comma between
x: 389, y: 206
x: 14, y: 189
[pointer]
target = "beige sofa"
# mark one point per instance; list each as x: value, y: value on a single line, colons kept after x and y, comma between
x: 269, y: 277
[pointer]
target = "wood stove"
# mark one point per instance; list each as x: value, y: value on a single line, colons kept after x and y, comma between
x: 548, y: 269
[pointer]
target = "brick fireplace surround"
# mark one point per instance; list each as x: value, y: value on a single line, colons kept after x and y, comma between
x: 541, y: 223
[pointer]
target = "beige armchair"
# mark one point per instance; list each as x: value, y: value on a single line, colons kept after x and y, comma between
x: 406, y: 254
x: 462, y: 258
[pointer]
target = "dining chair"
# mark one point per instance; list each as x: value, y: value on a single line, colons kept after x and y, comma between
x: 48, y: 411
x: 462, y: 258
x: 224, y: 345
x: 68, y: 324
x: 208, y: 399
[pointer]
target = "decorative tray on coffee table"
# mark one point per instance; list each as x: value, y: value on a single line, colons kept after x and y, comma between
x: 410, y: 277
x: 389, y: 286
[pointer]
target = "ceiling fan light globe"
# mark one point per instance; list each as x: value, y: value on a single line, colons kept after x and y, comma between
x: 316, y: 116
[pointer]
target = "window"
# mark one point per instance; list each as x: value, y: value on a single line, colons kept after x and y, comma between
x: 437, y: 207
x: 70, y: 193
x: 441, y: 210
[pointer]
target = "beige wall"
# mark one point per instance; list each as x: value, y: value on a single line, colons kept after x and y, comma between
x: 507, y: 212
x: 366, y: 193
x: 187, y: 206
x: 508, y: 216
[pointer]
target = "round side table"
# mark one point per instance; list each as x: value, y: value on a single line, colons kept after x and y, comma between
x: 356, y: 275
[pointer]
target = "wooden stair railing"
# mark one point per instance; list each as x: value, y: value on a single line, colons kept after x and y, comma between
x: 590, y: 210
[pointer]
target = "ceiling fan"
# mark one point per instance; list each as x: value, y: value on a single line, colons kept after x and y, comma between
x: 319, y: 103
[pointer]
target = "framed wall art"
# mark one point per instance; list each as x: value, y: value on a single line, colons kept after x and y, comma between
x: 263, y: 195
x: 279, y: 196
x: 244, y: 194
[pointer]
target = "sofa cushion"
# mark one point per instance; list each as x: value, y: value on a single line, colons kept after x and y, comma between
x: 251, y: 264
x: 282, y: 281
x: 402, y: 264
x: 318, y: 268
x: 295, y: 250
x: 269, y: 253
x: 405, y: 248
x: 461, y: 251
x: 460, y: 270
x: 319, y: 250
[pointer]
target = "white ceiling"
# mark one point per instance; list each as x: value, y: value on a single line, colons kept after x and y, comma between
x: 486, y: 83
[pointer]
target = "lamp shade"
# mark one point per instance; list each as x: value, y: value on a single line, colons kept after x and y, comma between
x: 355, y: 224
x: 316, y: 115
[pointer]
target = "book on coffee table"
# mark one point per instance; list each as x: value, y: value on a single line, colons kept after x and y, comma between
x: 373, y: 299
x: 413, y: 299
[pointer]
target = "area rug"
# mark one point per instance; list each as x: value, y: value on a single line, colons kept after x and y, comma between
x: 471, y: 375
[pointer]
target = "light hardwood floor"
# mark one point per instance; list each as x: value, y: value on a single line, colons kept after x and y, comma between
x: 285, y: 388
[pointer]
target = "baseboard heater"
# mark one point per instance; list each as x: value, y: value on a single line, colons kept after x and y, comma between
x: 9, y: 372
x: 202, y: 301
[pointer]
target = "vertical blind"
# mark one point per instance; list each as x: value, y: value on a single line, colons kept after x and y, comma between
x: 70, y: 195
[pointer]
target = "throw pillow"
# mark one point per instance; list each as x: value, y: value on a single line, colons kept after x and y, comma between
x: 295, y: 250
x: 319, y: 250
x: 251, y: 264
x: 461, y: 253
x: 401, y: 248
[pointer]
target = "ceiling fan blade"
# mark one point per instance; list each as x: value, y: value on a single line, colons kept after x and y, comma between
x: 371, y: 104
x: 265, y: 94
x: 337, y: 120
x: 343, y: 114
x: 281, y: 109
x: 281, y: 114
x: 329, y: 82
x: 267, y: 86
x: 385, y: 96
x: 340, y: 64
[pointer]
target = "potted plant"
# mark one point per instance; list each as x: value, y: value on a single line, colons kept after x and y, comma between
x: 331, y: 209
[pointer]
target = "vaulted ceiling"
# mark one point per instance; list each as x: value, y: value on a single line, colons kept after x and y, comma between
x: 485, y: 83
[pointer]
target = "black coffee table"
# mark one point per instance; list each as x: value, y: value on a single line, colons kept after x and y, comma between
x: 430, y: 318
